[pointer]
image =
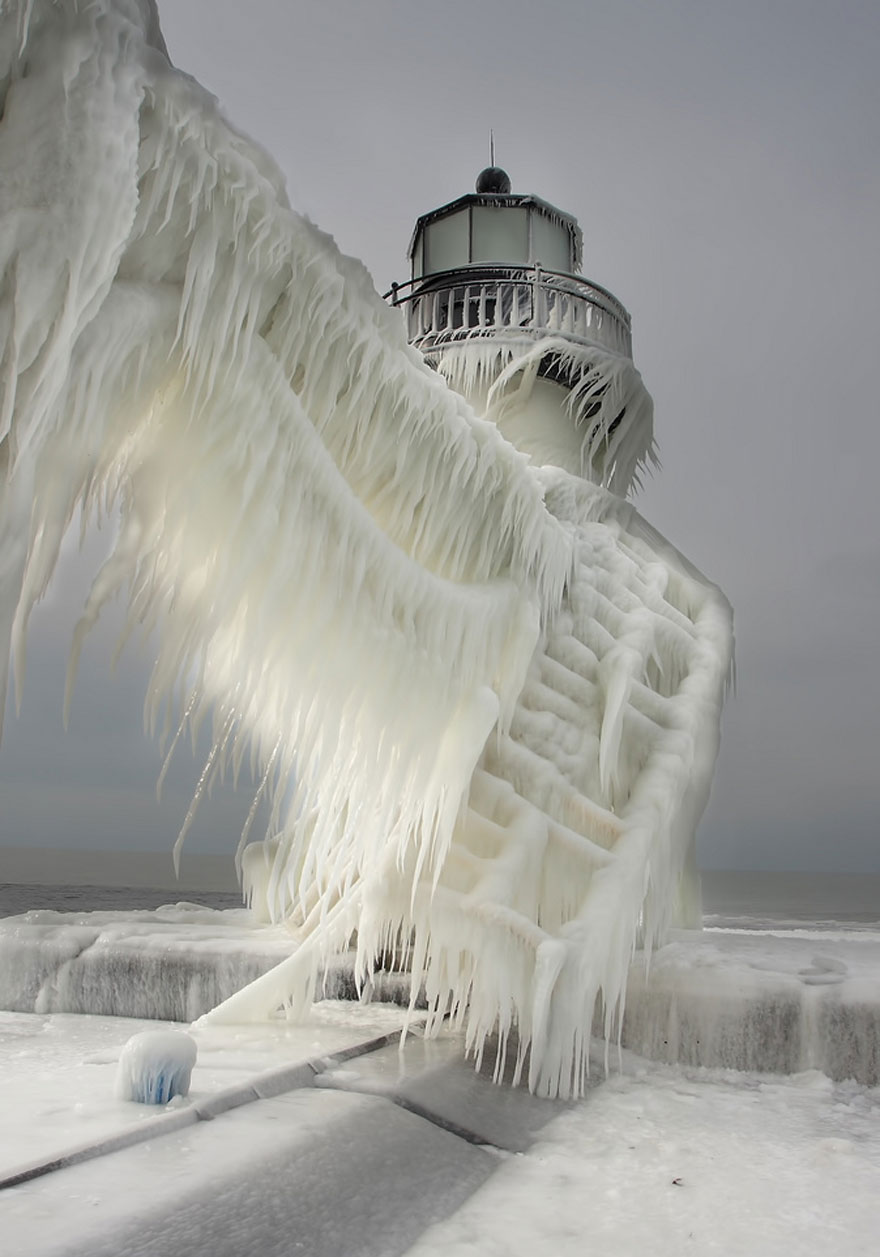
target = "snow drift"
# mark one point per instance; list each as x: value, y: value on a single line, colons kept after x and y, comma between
x: 481, y: 699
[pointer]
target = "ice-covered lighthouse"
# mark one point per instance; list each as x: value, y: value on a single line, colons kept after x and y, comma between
x: 554, y: 831
x: 479, y: 691
x: 497, y: 303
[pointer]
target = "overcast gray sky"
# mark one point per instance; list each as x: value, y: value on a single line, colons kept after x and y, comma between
x: 724, y: 162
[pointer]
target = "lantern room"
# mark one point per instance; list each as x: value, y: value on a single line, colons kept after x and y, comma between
x: 491, y: 226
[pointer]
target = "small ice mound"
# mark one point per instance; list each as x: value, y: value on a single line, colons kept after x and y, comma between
x: 155, y: 1066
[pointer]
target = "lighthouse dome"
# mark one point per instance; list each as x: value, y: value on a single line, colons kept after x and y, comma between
x: 493, y: 179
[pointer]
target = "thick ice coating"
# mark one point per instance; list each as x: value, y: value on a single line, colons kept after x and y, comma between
x: 482, y: 700
x: 155, y: 1066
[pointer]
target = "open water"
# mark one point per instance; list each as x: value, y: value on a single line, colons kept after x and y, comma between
x: 759, y: 901
x: 17, y: 898
x: 731, y: 900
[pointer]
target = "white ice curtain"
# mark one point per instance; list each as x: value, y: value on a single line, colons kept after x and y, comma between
x: 347, y: 571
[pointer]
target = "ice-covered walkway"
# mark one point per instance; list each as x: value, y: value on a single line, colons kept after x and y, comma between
x: 322, y: 1138
x: 358, y: 1149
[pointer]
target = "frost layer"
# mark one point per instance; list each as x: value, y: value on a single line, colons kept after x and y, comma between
x: 481, y: 700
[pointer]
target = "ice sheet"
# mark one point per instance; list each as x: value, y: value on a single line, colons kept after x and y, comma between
x: 58, y: 1071
x: 315, y: 1172
x: 654, y: 1159
x: 672, y: 1161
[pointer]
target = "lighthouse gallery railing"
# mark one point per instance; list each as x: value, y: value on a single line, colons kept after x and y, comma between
x: 455, y: 305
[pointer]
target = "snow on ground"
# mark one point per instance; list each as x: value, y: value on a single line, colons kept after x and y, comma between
x: 668, y: 1161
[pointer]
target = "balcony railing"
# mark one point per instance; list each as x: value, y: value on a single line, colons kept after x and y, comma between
x: 453, y: 306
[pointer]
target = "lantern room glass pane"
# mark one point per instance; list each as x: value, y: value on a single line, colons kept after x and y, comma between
x: 417, y: 268
x: 446, y: 243
x: 500, y: 234
x: 551, y: 244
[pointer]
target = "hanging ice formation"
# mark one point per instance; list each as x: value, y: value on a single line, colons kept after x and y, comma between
x: 482, y: 698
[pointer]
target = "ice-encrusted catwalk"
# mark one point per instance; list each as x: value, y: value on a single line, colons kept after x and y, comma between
x: 481, y: 699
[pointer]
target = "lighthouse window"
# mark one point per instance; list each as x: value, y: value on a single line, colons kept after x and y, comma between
x: 551, y: 244
x: 446, y: 243
x: 500, y: 234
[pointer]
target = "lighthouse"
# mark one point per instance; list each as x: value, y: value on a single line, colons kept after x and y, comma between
x: 497, y: 303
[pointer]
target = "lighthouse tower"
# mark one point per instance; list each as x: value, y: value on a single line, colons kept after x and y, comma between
x: 496, y: 303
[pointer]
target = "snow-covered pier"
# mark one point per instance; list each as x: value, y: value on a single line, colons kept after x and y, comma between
x: 172, y: 964
x: 776, y: 1003
x: 328, y: 1138
x: 773, y: 1003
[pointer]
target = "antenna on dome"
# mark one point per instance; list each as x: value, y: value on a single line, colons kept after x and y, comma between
x: 491, y: 147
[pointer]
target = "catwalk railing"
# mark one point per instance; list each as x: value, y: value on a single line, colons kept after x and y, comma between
x: 452, y: 306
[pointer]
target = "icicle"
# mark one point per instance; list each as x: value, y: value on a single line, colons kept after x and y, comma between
x: 610, y: 412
